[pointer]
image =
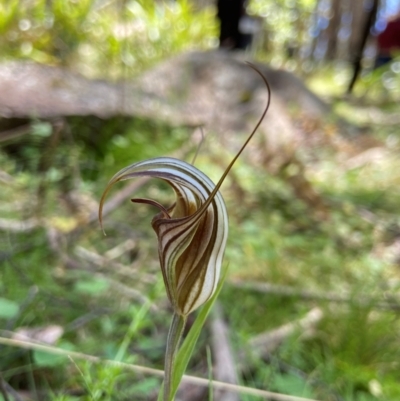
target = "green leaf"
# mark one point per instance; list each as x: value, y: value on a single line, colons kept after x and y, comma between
x: 145, y: 387
x: 292, y: 385
x: 92, y: 287
x: 46, y: 360
x: 42, y: 129
x: 8, y: 309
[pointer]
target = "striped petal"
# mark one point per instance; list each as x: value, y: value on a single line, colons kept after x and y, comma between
x: 191, y: 234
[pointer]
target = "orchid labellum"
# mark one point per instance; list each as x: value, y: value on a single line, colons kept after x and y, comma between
x: 191, y: 234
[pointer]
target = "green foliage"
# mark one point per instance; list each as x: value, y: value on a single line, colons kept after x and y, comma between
x: 293, y: 385
x: 8, y: 309
x: 94, y: 286
x: 136, y: 33
x: 274, y: 237
x: 378, y: 88
x: 99, y: 381
x: 44, y: 359
x: 286, y: 24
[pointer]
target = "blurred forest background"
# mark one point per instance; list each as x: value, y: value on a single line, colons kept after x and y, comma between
x: 311, y: 304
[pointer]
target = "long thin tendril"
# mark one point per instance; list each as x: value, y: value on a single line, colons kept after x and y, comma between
x: 228, y: 169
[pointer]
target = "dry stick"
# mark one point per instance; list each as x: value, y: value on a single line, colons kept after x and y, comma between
x: 126, y: 291
x: 224, y: 363
x: 289, y: 291
x: 264, y: 343
x: 6, y: 178
x: 260, y: 346
x: 102, y: 262
x: 31, y: 224
x: 4, y: 386
x: 19, y: 226
x: 120, y: 249
x: 3, y: 390
x: 15, y: 132
x: 30, y: 345
x: 120, y: 288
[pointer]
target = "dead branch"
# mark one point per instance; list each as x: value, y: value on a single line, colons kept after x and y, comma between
x: 15, y: 132
x: 224, y: 362
x: 265, y: 343
x: 128, y: 292
x: 288, y: 291
x: 103, y: 262
x: 3, y: 390
x: 268, y: 395
x: 6, y: 178
x: 120, y: 249
x: 19, y: 226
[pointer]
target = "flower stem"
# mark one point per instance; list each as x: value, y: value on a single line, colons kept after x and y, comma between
x: 174, y: 338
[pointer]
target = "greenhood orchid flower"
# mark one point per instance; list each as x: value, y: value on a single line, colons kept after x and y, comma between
x: 192, y: 235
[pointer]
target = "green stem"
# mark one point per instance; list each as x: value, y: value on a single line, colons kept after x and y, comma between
x: 174, y: 338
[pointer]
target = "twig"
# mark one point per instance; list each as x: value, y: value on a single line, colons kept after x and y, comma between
x: 120, y: 249
x: 18, y: 226
x: 289, y: 291
x: 86, y: 318
x: 6, y: 178
x: 264, y: 343
x: 6, y: 389
x: 54, y: 239
x: 224, y: 363
x: 3, y: 390
x: 126, y: 291
x: 150, y: 371
x: 120, y: 288
x: 105, y: 262
x: 15, y: 132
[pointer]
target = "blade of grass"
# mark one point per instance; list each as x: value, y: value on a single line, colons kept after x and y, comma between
x: 137, y: 318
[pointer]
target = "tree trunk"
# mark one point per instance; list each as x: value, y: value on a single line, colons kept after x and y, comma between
x: 333, y: 29
x: 358, y: 17
x: 359, y: 50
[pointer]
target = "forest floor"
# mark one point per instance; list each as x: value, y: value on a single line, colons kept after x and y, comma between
x: 310, y: 307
